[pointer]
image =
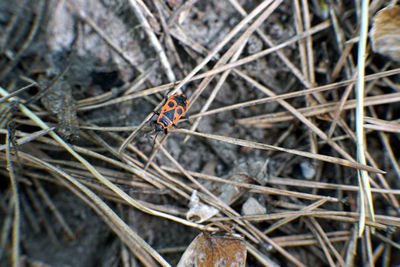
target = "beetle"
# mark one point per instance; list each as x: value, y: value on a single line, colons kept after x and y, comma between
x: 171, y: 112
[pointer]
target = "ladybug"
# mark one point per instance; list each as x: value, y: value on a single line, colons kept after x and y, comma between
x: 171, y: 112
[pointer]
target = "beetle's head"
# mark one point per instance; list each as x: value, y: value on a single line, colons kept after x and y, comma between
x: 158, y: 127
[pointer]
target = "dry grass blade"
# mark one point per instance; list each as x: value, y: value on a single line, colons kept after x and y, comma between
x: 93, y: 170
x: 319, y: 230
x: 102, y: 34
x: 312, y: 127
x: 110, y: 129
x: 216, y: 89
x: 153, y: 39
x: 15, y: 256
x: 40, y: 9
x: 382, y: 222
x: 221, y: 44
x: 320, y: 240
x: 320, y: 109
x: 256, y: 145
x: 132, y: 136
x: 313, y: 109
x: 382, y: 128
x: 291, y: 218
x: 307, y: 240
x: 28, y: 138
x: 108, y: 212
x: 382, y: 125
x: 388, y: 241
x: 3, y: 99
x: 167, y: 86
x: 259, y: 188
x: 320, y: 185
x: 53, y: 208
x: 365, y: 205
x: 386, y: 144
x: 157, y: 89
x: 261, y: 257
x: 340, y: 107
x: 253, y: 57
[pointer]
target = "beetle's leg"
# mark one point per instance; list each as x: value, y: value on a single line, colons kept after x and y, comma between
x: 154, y: 113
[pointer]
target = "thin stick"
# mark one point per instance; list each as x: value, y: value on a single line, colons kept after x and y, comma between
x: 15, y: 199
x: 312, y: 111
x: 262, y: 146
x: 16, y: 92
x: 317, y: 235
x: 288, y: 219
x: 365, y: 188
x: 29, y: 137
x: 154, y: 41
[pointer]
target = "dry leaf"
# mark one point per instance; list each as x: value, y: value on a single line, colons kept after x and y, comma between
x: 385, y: 33
x: 209, y: 250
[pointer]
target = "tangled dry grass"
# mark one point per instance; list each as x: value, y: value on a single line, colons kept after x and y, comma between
x: 291, y: 138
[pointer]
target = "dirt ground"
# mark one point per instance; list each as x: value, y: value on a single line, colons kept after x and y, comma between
x: 95, y: 74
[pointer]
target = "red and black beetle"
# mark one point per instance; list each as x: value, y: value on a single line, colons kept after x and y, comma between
x: 171, y: 112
